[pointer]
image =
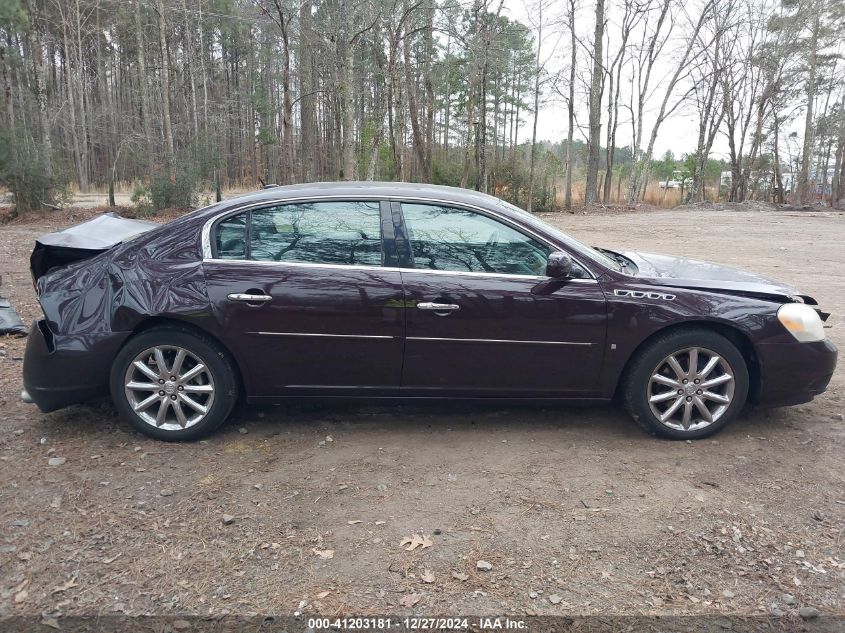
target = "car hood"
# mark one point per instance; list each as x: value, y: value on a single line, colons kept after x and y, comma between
x: 683, y: 272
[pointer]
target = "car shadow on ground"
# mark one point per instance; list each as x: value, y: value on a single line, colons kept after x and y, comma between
x: 609, y: 422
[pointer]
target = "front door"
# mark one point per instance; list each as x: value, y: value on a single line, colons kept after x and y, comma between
x: 483, y: 320
x: 304, y: 300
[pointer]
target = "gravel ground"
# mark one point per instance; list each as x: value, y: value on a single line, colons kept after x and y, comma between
x: 574, y: 510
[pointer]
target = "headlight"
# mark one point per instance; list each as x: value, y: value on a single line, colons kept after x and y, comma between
x: 802, y: 321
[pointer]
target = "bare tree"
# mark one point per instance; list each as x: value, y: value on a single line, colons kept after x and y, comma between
x: 681, y: 70
x: 570, y: 104
x: 803, y: 190
x: 630, y: 18
x: 652, y: 42
x: 596, y: 86
x: 542, y: 7
x: 707, y: 76
x: 180, y: 94
x: 837, y: 186
x: 165, y: 86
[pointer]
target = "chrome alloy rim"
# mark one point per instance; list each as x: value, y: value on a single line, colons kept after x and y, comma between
x: 169, y: 387
x: 691, y: 389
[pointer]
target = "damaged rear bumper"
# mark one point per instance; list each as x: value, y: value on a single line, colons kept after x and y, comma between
x: 62, y: 370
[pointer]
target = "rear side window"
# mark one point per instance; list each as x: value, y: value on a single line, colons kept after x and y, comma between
x: 344, y: 233
x: 231, y: 237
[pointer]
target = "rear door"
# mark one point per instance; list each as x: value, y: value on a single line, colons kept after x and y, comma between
x: 305, y: 300
x: 483, y: 319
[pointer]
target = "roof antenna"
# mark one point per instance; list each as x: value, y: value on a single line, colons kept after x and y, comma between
x: 264, y: 185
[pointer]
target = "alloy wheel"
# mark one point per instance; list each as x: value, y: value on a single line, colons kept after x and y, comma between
x: 169, y: 387
x: 691, y: 389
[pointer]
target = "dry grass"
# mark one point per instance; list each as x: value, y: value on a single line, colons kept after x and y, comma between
x: 666, y: 198
x: 654, y: 196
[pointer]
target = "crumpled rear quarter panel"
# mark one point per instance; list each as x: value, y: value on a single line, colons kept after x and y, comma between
x: 162, y: 276
x: 93, y: 306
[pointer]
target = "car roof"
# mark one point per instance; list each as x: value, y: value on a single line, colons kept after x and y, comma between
x: 358, y: 188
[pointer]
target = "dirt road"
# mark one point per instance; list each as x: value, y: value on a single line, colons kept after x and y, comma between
x: 576, y: 510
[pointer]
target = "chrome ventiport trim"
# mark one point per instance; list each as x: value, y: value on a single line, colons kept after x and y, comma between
x: 641, y: 294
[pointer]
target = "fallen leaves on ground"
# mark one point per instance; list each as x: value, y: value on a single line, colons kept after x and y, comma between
x: 68, y: 584
x: 410, y: 600
x: 415, y: 541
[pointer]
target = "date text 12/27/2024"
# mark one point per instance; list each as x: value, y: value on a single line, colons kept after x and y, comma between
x: 415, y: 623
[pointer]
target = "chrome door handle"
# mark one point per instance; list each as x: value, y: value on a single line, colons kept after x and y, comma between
x: 246, y: 297
x: 438, y: 307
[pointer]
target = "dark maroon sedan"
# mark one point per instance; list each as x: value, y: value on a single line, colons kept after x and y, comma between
x: 390, y: 290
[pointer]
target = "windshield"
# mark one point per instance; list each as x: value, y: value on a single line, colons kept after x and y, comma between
x: 582, y: 249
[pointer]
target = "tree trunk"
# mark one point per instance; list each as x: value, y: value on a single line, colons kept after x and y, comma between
x: 776, y: 157
x: 428, y: 42
x: 395, y: 110
x: 570, y: 107
x: 286, y: 140
x: 595, y: 108
x: 411, y: 83
x: 537, y: 71
x: 74, y: 129
x: 379, y: 97
x: 189, y: 63
x: 40, y: 90
x: 8, y: 101
x: 203, y: 71
x: 347, y: 139
x: 804, y: 195
x: 81, y: 98
x: 837, y: 185
x: 613, y: 101
x: 709, y: 122
x: 165, y: 87
x: 308, y: 121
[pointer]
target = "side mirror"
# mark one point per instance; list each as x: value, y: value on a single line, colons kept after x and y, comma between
x: 559, y: 265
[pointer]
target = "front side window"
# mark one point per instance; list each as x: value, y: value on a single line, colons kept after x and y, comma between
x: 446, y: 238
x: 342, y: 233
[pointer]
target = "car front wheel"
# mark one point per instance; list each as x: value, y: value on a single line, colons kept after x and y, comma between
x: 172, y: 383
x: 686, y: 384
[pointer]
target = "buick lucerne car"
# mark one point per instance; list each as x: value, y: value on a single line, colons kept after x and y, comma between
x: 391, y: 290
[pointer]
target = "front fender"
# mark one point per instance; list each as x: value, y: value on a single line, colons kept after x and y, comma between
x: 635, y: 317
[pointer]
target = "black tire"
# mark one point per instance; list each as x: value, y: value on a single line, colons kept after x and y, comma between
x: 637, y: 383
x: 219, y: 373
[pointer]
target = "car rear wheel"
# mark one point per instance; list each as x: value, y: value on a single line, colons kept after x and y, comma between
x: 172, y: 383
x: 686, y: 384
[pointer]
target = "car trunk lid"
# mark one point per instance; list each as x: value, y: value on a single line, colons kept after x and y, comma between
x: 82, y: 241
